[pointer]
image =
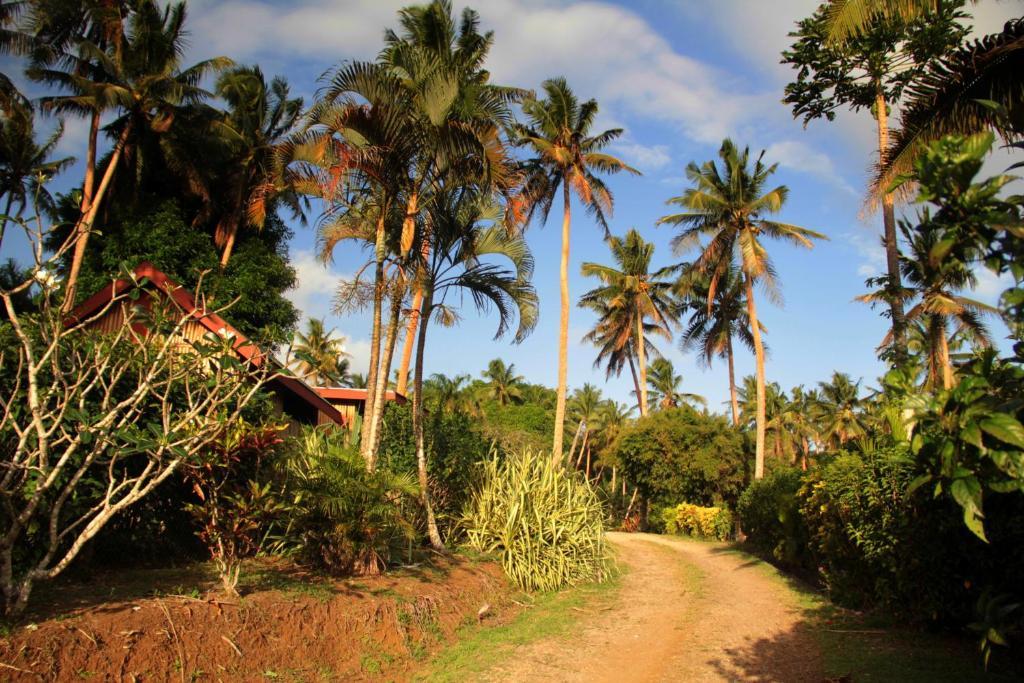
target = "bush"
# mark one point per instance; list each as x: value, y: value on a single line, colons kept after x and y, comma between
x: 680, y: 454
x: 344, y: 519
x: 770, y: 517
x: 701, y: 522
x: 545, y: 522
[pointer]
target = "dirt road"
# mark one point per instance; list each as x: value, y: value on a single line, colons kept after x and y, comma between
x: 687, y: 611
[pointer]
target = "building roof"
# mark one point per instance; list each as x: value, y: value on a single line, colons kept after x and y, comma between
x: 146, y: 273
x: 355, y: 395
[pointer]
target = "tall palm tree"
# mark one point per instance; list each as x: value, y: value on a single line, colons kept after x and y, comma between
x: 447, y: 393
x: 136, y: 73
x: 465, y: 244
x: 641, y: 295
x: 848, y: 18
x: 25, y: 164
x: 934, y: 281
x: 840, y: 405
x: 459, y: 112
x: 318, y: 355
x: 614, y: 336
x: 503, y: 384
x: 567, y: 156
x: 666, y: 386
x: 728, y: 206
x: 715, y: 320
x: 258, y: 118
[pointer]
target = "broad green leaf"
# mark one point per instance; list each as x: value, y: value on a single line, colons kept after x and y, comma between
x: 1004, y: 427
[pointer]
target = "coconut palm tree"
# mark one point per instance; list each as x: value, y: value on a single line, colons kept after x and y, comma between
x: 715, y: 320
x: 666, y: 386
x: 583, y: 410
x: 728, y: 206
x: 848, y: 18
x: 502, y: 382
x: 567, y: 156
x: 26, y: 165
x: 318, y: 356
x: 466, y: 242
x: 934, y: 282
x: 258, y: 118
x: 639, y: 294
x: 614, y: 335
x: 447, y: 393
x: 840, y: 405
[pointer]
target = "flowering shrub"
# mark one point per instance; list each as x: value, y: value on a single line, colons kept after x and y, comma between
x: 702, y: 522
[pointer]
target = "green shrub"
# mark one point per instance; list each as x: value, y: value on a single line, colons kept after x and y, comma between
x: 680, y: 454
x: 342, y: 518
x: 697, y: 521
x: 770, y: 517
x: 545, y: 522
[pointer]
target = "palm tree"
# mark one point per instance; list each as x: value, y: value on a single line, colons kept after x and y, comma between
x: 779, y: 441
x: 460, y: 115
x: 465, y: 242
x: 848, y: 18
x: 801, y: 420
x: 568, y: 156
x: 447, y: 393
x: 26, y: 165
x: 258, y: 118
x: 635, y: 291
x: 728, y: 206
x: 613, y: 335
x: 666, y: 386
x: 503, y: 382
x: 138, y: 73
x: 319, y: 356
x: 935, y: 280
x: 715, y: 320
x: 840, y: 406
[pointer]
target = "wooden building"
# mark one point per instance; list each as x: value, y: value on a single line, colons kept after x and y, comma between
x: 296, y: 401
x: 351, y: 402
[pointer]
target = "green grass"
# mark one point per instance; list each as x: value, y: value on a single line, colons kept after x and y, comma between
x: 871, y: 648
x: 550, y: 615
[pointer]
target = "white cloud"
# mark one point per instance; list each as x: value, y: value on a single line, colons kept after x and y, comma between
x: 799, y: 156
x: 644, y: 157
x: 869, y: 247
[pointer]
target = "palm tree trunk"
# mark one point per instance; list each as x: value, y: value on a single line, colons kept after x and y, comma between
x: 365, y: 443
x: 733, y: 399
x: 636, y: 380
x: 7, y: 212
x: 234, y: 219
x: 384, y: 372
x: 614, y: 473
x: 575, y: 439
x: 417, y: 427
x: 805, y: 449
x: 84, y: 226
x: 90, y: 162
x: 946, y: 364
x: 563, y: 331
x: 759, y: 355
x: 892, y: 261
x: 641, y: 357
x: 588, y: 462
x: 414, y: 319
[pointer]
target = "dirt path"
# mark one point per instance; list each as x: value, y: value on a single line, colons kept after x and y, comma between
x: 687, y: 611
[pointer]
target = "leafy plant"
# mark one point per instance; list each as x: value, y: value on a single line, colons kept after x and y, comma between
x: 545, y: 522
x: 770, y: 516
x: 702, y: 522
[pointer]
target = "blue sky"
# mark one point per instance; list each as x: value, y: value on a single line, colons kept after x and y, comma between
x: 678, y: 77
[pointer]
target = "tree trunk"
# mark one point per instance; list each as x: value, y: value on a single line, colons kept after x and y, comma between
x: 614, y: 473
x: 636, y: 380
x: 588, y: 462
x: 384, y: 373
x: 365, y: 443
x: 805, y: 450
x: 732, y: 382
x: 90, y: 163
x: 234, y: 220
x: 759, y: 354
x: 563, y: 332
x: 575, y: 439
x: 414, y: 318
x: 945, y: 363
x: 417, y: 427
x: 892, y: 261
x: 7, y: 211
x: 641, y: 357
x: 84, y: 226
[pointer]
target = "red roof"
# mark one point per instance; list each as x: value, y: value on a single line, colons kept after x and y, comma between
x: 358, y: 395
x: 211, y: 321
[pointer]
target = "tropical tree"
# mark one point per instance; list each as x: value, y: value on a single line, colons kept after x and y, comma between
x: 566, y: 155
x: 258, y: 118
x: 841, y: 417
x: 716, y: 318
x: 666, y: 386
x: 447, y: 394
x: 869, y: 71
x: 639, y: 294
x: 465, y: 243
x: 614, y: 336
x: 503, y: 384
x: 25, y: 164
x: 728, y: 206
x: 582, y: 410
x: 319, y: 356
x: 850, y: 18
x: 138, y: 74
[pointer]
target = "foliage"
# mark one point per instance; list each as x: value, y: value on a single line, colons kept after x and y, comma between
x: 702, y: 522
x: 343, y: 518
x: 770, y: 517
x: 236, y: 504
x: 546, y: 524
x: 680, y: 454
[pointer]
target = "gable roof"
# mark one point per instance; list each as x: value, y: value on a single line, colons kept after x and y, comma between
x: 146, y: 273
x: 355, y: 395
